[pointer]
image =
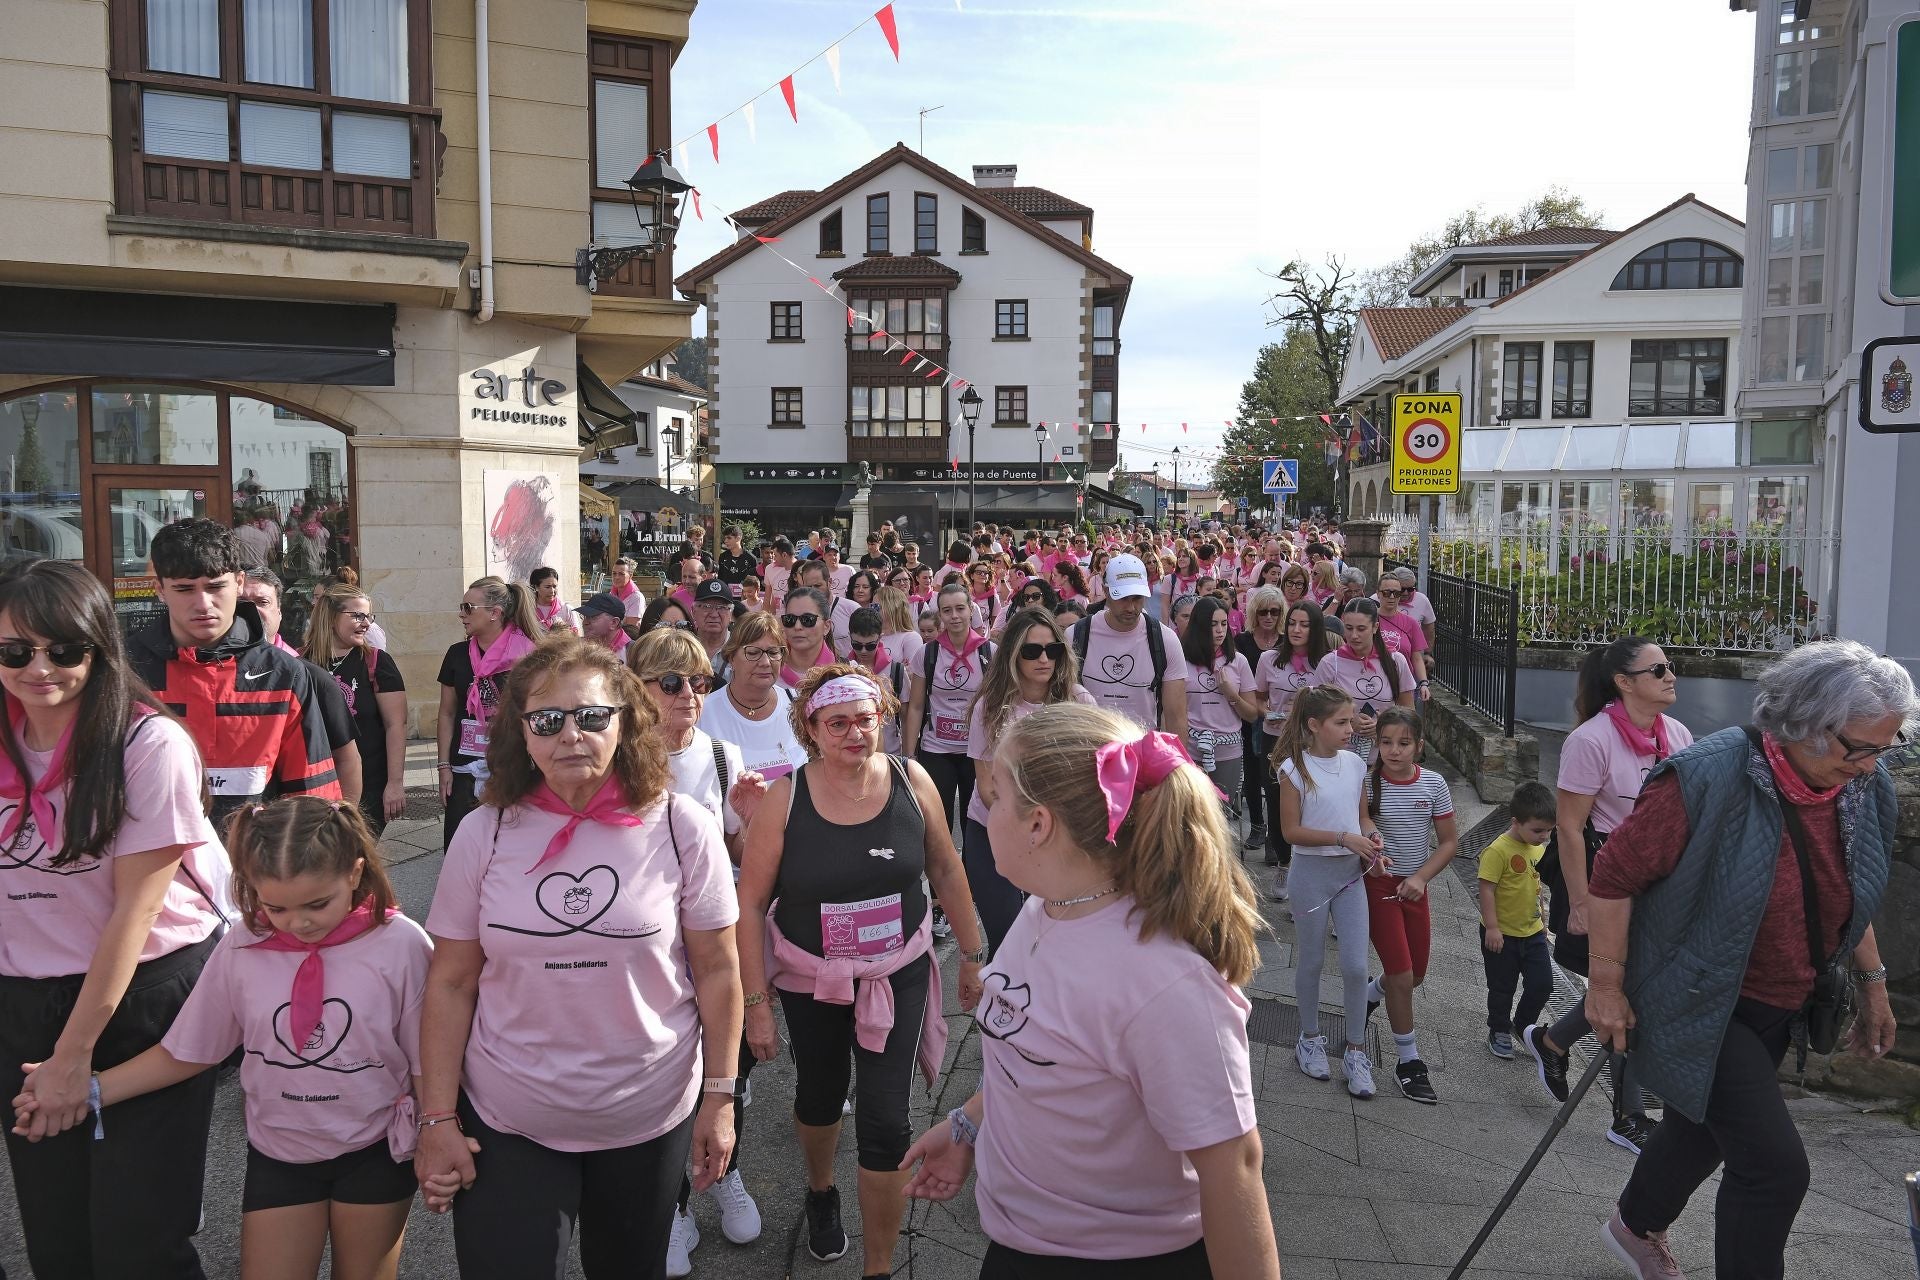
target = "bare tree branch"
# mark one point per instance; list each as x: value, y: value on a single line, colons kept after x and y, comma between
x: 1319, y: 300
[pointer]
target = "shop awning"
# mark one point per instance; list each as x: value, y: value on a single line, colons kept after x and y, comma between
x: 606, y: 422
x: 179, y: 337
x: 1108, y: 498
x: 648, y: 495
x: 823, y: 499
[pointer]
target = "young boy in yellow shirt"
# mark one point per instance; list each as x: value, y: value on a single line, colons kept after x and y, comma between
x: 1513, y: 940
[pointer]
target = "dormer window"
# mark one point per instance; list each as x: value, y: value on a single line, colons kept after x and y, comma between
x: 1682, y: 264
x: 973, y: 232
x: 830, y: 233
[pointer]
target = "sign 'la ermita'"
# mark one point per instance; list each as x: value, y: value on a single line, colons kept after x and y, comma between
x: 1426, y: 443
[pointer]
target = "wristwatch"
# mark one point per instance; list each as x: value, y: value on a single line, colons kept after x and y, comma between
x: 733, y: 1086
x: 1863, y: 976
x: 976, y: 957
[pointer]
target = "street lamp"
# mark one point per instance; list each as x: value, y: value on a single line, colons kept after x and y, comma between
x: 1040, y: 447
x: 664, y: 190
x: 970, y: 410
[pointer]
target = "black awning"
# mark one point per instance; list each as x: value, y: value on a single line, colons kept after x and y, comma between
x: 1108, y: 498
x: 150, y: 335
x: 647, y: 495
x: 818, y: 501
x: 605, y: 420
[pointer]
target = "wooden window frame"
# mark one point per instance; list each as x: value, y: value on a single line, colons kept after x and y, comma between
x: 881, y: 204
x: 233, y: 191
x: 897, y: 377
x: 1005, y: 328
x: 1005, y: 401
x: 787, y: 408
x: 1657, y: 352
x: 1513, y: 405
x: 783, y: 322
x: 973, y: 231
x: 926, y: 222
x: 634, y: 61
x: 1578, y: 402
x: 838, y: 248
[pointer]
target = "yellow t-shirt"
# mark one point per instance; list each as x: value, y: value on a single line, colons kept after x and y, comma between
x: 1510, y: 866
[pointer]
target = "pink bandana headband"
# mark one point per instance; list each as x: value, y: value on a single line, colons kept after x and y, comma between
x: 844, y: 689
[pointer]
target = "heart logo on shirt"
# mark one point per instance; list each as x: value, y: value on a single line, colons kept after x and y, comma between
x: 1205, y: 681
x: 576, y: 904
x: 336, y: 1020
x: 1002, y: 1013
x: 1369, y: 686
x: 1116, y: 667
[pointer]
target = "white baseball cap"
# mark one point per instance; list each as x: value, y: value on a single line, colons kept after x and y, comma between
x: 1126, y: 577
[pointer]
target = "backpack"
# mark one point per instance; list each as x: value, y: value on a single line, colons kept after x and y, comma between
x: 1156, y: 651
x: 928, y: 657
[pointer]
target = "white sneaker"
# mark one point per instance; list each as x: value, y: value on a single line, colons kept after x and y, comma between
x: 681, y: 1244
x: 739, y: 1215
x: 1312, y: 1057
x: 1359, y: 1072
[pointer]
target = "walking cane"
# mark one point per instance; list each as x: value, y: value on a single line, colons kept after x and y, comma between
x: 1560, y: 1119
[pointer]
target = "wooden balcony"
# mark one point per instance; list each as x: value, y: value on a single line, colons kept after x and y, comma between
x: 878, y: 449
x: 1102, y: 452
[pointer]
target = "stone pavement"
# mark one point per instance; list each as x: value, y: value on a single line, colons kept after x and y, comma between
x: 1384, y: 1188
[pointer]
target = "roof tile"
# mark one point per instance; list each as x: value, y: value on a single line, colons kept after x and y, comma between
x: 1398, y: 330
x: 774, y: 206
x: 1036, y: 202
x: 906, y: 266
x: 1547, y: 235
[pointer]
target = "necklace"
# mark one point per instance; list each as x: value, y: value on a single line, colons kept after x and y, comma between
x: 1095, y: 896
x: 751, y: 713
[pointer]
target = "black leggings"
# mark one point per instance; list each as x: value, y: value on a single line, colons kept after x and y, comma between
x: 824, y: 1054
x: 745, y: 1069
x: 517, y: 1219
x: 1263, y: 798
x: 1748, y: 1127
x: 459, y: 804
x: 953, y: 778
x: 1002, y: 1263
x: 994, y: 896
x: 126, y: 1207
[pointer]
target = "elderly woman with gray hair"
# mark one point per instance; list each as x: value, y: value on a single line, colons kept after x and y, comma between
x: 1749, y: 870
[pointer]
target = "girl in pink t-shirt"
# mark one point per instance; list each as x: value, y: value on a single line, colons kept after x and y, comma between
x: 1219, y: 695
x: 935, y: 719
x: 1373, y: 676
x: 321, y: 988
x: 1116, y: 1096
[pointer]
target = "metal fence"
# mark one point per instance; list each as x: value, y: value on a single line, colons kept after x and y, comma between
x: 1476, y: 642
x: 1709, y: 588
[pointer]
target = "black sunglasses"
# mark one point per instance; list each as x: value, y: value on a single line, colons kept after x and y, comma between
x: 863, y: 647
x: 15, y: 654
x: 1658, y: 670
x: 1032, y: 597
x: 792, y: 620
x: 673, y: 682
x: 1054, y: 651
x: 549, y: 720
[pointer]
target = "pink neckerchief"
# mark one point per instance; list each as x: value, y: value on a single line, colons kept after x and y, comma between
x: 310, y: 979
x: 508, y: 648
x: 1793, y: 788
x: 38, y: 798
x: 608, y: 805
x: 880, y: 658
x: 957, y: 669
x: 625, y: 595
x: 792, y: 678
x: 549, y: 615
x: 1640, y: 741
x: 1346, y: 651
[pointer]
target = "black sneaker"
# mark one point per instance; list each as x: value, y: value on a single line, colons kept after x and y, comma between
x: 940, y: 927
x: 1631, y: 1132
x: 1414, y: 1083
x: 826, y: 1238
x: 1552, y: 1063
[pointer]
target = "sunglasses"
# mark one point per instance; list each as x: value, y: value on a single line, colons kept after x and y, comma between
x: 1033, y: 597
x: 549, y: 720
x: 1053, y: 651
x: 1267, y: 613
x: 1657, y: 670
x: 673, y: 682
x: 858, y: 647
x: 792, y: 620
x: 468, y: 606
x: 15, y: 654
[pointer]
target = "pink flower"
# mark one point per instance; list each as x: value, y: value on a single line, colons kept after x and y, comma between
x: 1760, y: 569
x: 1733, y: 557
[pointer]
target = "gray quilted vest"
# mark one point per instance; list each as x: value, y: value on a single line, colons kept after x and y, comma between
x: 1692, y: 933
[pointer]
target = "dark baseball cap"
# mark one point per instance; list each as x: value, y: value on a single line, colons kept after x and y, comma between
x: 712, y: 591
x: 604, y: 602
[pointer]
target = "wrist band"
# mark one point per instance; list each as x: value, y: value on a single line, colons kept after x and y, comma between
x: 442, y: 764
x: 964, y: 1129
x: 1594, y: 955
x: 753, y: 998
x: 431, y: 1121
x: 1864, y: 976
x: 93, y: 1105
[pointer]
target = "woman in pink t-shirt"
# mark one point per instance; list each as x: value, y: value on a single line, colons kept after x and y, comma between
x: 583, y: 971
x: 935, y: 718
x: 1373, y: 676
x: 808, y: 622
x: 1114, y: 1128
x: 110, y: 912
x: 321, y: 988
x: 1219, y: 695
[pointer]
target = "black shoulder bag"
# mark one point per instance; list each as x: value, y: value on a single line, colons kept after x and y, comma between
x: 1827, y: 1010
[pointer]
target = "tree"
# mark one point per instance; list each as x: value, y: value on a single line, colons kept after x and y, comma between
x: 1555, y: 207
x: 690, y: 362
x: 1320, y: 301
x: 1287, y: 384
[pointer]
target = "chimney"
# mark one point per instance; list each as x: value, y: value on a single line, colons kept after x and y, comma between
x: 995, y: 175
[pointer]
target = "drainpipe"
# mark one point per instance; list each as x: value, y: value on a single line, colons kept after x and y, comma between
x: 483, y: 110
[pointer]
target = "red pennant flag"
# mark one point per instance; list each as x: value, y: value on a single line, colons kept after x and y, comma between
x: 1183, y: 428
x: 786, y: 91
x: 696, y: 205
x: 1323, y: 417
x: 1143, y: 426
x: 909, y: 357
x: 768, y: 239
x: 853, y: 318
x: 935, y: 371
x: 889, y: 30
x: 815, y: 282
x: 713, y: 136
x: 1276, y: 422
x: 960, y: 384
x: 956, y: 462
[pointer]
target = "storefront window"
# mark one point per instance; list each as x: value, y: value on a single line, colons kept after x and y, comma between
x: 40, y: 447
x: 152, y: 426
x: 1524, y: 504
x: 290, y: 501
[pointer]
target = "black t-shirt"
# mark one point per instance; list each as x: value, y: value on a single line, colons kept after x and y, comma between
x: 733, y: 570
x: 333, y: 707
x: 877, y: 560
x: 456, y: 672
x: 820, y: 867
x: 361, y: 692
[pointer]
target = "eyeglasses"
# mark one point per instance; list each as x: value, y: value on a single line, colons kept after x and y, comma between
x: 1054, y: 651
x: 1267, y: 613
x: 15, y: 654
x: 760, y: 655
x: 1855, y: 751
x: 1658, y: 670
x: 357, y: 616
x: 549, y: 720
x: 468, y: 606
x: 675, y: 626
x: 841, y: 726
x: 673, y: 682
x: 792, y: 620
x: 858, y: 647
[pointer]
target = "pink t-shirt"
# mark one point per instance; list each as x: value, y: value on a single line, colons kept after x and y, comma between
x: 981, y: 750
x: 903, y: 646
x: 1595, y: 761
x: 1280, y: 681
x: 585, y: 1034
x: 1406, y: 628
x: 775, y: 583
x: 1107, y: 1058
x: 1118, y: 671
x: 943, y: 731
x: 334, y: 1094
x: 51, y: 918
x: 1364, y: 682
x: 1208, y: 708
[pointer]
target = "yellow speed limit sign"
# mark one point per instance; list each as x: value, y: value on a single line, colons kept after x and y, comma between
x: 1426, y: 443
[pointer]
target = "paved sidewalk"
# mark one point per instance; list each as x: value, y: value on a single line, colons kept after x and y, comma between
x: 1385, y: 1188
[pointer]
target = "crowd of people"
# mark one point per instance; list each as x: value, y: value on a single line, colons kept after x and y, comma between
x: 788, y: 780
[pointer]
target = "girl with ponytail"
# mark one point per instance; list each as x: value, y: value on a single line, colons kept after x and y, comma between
x: 1130, y: 952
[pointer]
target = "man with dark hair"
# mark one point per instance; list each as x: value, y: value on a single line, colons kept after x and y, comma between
x: 250, y: 707
x: 875, y: 557
x: 733, y: 563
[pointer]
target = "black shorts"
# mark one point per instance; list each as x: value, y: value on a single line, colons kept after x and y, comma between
x: 368, y: 1176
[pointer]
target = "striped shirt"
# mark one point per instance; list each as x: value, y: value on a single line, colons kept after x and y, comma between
x: 1408, y: 811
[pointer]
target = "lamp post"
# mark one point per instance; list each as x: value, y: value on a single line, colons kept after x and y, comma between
x: 665, y: 191
x: 1040, y: 449
x: 970, y: 410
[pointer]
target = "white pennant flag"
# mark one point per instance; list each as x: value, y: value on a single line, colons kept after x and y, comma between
x: 833, y: 65
x: 753, y: 135
x: 958, y: 7
x: 684, y: 167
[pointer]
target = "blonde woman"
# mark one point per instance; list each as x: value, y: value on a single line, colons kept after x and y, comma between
x: 899, y: 632
x: 501, y: 628
x: 339, y: 638
x: 1115, y: 1127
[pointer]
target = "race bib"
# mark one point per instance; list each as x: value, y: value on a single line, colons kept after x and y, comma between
x: 473, y: 738
x: 949, y: 729
x: 861, y: 930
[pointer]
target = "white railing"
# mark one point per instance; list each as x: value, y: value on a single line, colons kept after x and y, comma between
x: 1712, y: 588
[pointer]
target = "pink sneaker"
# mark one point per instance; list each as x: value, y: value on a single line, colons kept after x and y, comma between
x: 1646, y: 1256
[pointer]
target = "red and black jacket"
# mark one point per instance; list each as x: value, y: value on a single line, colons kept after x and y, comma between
x: 251, y: 710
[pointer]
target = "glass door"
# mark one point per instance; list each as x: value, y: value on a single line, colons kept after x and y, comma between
x: 127, y: 512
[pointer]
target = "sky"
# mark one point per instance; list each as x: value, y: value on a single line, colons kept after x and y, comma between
x: 1219, y: 139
